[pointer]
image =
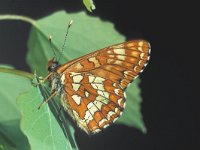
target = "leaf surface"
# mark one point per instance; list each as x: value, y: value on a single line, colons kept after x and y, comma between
x: 41, y: 126
x: 11, y: 86
x: 89, y: 4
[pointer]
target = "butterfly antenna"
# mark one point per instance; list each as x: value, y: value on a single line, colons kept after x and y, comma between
x: 64, y: 43
x: 50, y: 41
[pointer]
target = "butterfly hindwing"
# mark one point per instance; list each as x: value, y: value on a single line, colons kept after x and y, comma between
x: 95, y: 101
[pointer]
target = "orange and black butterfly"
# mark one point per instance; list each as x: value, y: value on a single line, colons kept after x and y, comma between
x: 92, y: 87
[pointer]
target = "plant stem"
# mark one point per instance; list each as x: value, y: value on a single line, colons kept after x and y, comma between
x: 17, y: 72
x: 25, y: 19
x: 17, y: 17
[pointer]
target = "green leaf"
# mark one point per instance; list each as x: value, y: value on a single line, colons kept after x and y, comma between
x: 9, y: 69
x: 10, y: 87
x: 6, y: 144
x: 6, y: 66
x: 132, y: 113
x: 40, y: 126
x: 9, y: 123
x: 89, y: 4
x: 86, y: 35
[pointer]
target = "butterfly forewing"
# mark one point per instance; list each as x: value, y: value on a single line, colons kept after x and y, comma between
x: 94, y: 84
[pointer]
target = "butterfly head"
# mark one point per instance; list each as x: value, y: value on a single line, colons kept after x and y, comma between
x: 52, y: 65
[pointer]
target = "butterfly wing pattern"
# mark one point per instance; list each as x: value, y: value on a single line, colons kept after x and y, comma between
x: 94, y: 84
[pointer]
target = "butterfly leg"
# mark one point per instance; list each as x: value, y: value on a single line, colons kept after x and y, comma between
x: 59, y: 114
x: 49, y: 98
x: 43, y: 80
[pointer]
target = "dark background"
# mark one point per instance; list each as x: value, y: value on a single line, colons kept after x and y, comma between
x: 168, y: 108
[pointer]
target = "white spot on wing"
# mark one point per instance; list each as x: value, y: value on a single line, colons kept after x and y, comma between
x: 102, y: 93
x: 121, y: 57
x: 136, y: 76
x: 115, y: 119
x: 102, y: 99
x: 119, y: 51
x: 75, y: 86
x: 127, y: 72
x: 102, y: 121
x: 119, y: 101
x: 98, y: 104
x: 140, y: 49
x: 91, y: 79
x: 92, y: 108
x: 141, y: 55
x: 114, y: 84
x: 107, y: 125
x: 111, y: 56
x: 116, y: 91
x: 116, y: 109
x: 77, y: 99
x: 118, y: 62
x: 130, y: 44
x: 140, y: 43
x: 95, y: 61
x: 86, y: 94
x: 79, y: 66
x: 135, y: 68
x: 99, y: 80
x: 73, y: 74
x: 77, y: 78
x: 110, y: 60
x: 124, y: 94
x: 149, y: 46
x: 149, y: 50
x: 88, y: 117
x: 140, y: 62
x: 90, y: 105
x: 97, y: 130
x: 110, y: 113
x: 109, y: 52
x: 118, y: 46
x: 124, y: 104
x: 98, y: 86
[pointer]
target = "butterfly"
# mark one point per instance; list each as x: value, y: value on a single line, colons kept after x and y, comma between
x: 92, y: 87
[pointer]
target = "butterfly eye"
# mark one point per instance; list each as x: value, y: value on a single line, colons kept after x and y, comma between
x: 53, y: 67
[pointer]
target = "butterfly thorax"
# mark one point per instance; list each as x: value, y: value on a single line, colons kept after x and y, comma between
x: 56, y: 83
x: 55, y: 79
